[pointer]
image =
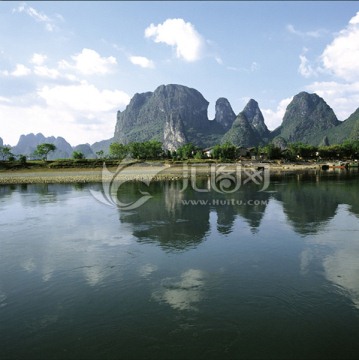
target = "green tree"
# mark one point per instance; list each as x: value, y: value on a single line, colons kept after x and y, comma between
x: 293, y: 150
x: 43, y: 150
x: 198, y: 155
x: 119, y: 151
x: 78, y: 155
x: 146, y: 150
x: 273, y: 152
x: 301, y: 150
x: 346, y: 148
x: 153, y: 149
x: 168, y: 154
x: 355, y: 149
x: 100, y: 154
x: 229, y: 151
x: 5, y: 152
x: 333, y: 152
x: 186, y: 151
x: 307, y: 151
x: 174, y: 154
x: 217, y: 152
x: 226, y: 151
x: 22, y: 159
x: 326, y: 152
x: 136, y: 149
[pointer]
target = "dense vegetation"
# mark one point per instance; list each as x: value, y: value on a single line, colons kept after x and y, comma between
x: 153, y: 150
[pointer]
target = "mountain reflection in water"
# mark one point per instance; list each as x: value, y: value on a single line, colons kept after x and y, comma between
x: 308, y: 200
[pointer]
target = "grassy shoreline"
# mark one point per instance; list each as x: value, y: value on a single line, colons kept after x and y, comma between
x: 139, y: 171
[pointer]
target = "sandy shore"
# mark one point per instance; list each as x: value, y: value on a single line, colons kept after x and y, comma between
x: 135, y: 172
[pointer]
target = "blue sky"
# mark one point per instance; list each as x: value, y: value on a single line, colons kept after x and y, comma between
x: 67, y: 67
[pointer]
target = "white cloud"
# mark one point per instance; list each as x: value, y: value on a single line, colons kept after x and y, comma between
x: 39, y: 69
x: 89, y: 62
x: 36, y: 15
x: 314, y: 34
x: 233, y: 68
x: 341, y: 57
x: 84, y: 98
x: 86, y: 63
x: 355, y: 19
x: 182, y: 35
x: 254, y: 66
x: 142, y: 61
x: 38, y: 59
x: 74, y: 108
x: 342, y: 97
x: 44, y: 71
x: 4, y: 99
x: 80, y: 113
x: 273, y: 118
x: 219, y: 60
x: 21, y: 70
x: 305, y: 68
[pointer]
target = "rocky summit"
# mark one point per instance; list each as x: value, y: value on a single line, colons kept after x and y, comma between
x: 306, y: 116
x: 242, y: 133
x: 179, y: 110
x: 225, y: 115
x: 255, y: 117
x: 176, y: 114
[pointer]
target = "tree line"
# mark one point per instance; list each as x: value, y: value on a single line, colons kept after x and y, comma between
x: 153, y: 150
x: 349, y: 149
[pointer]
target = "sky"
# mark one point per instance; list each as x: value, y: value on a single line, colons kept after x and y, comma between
x: 66, y: 68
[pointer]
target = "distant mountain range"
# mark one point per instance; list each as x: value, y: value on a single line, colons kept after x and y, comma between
x: 27, y: 145
x: 177, y: 114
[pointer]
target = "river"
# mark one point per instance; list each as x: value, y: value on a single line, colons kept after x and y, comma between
x: 192, y: 273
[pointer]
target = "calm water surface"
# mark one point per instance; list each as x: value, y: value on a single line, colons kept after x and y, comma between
x: 217, y: 280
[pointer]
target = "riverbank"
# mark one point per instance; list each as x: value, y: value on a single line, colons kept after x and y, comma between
x: 136, y: 172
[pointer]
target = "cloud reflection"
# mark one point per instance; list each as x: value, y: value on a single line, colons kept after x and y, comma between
x: 185, y: 293
x: 93, y: 274
x: 3, y: 298
x: 342, y: 269
x: 66, y: 238
x: 146, y: 270
x: 340, y: 261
